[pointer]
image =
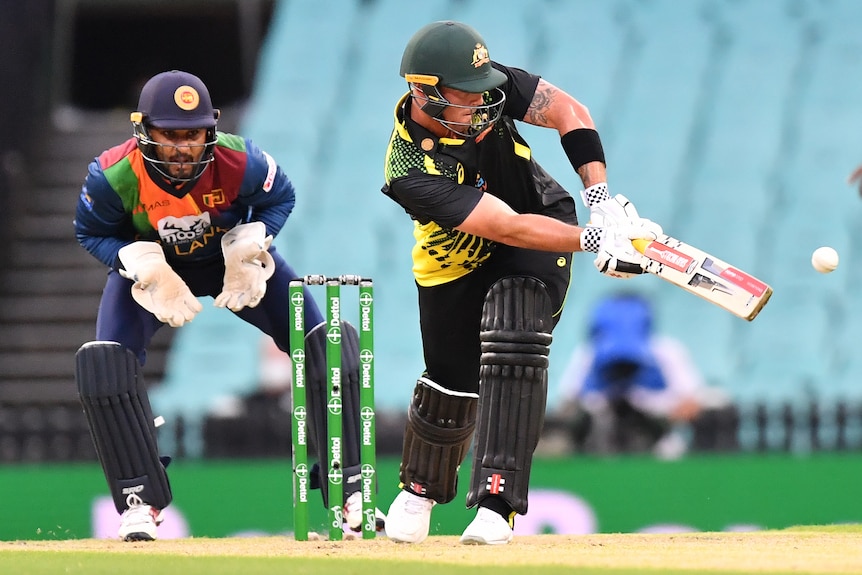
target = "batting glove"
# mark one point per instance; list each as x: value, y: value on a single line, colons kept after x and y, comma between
x: 615, y: 254
x: 608, y: 211
x: 247, y: 266
x: 157, y: 288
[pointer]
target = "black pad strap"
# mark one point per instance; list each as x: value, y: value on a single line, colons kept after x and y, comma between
x: 440, y: 425
x: 515, y: 339
x: 115, y: 401
x: 317, y: 395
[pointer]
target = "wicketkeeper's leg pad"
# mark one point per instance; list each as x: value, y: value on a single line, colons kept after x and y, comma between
x: 115, y: 400
x: 317, y: 396
x: 513, y: 387
x: 440, y: 425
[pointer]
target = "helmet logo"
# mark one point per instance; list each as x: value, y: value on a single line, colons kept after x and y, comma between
x: 187, y: 98
x: 480, y: 55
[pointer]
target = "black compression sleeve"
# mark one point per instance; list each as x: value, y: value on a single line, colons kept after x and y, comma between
x: 583, y: 146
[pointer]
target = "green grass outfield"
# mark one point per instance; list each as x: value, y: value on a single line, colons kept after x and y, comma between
x: 827, y: 550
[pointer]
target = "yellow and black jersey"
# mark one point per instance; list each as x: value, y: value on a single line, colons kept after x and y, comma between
x: 439, y: 181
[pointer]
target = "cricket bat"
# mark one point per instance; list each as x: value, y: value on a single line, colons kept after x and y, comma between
x: 705, y: 275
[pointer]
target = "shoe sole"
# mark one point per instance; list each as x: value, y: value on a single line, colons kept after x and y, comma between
x: 480, y: 541
x: 138, y: 536
x: 405, y: 542
x: 405, y: 539
x: 379, y: 526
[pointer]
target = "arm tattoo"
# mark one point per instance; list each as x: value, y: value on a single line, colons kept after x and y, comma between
x: 540, y: 105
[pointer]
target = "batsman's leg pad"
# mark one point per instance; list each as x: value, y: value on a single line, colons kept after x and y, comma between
x: 440, y: 425
x: 317, y: 397
x: 112, y: 392
x: 513, y: 388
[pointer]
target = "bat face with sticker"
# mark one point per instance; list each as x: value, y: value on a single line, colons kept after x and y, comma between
x: 704, y: 275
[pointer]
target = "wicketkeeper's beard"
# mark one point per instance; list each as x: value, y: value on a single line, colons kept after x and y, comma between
x: 181, y: 165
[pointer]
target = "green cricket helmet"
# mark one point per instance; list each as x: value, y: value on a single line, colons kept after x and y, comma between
x: 453, y: 55
x: 174, y: 100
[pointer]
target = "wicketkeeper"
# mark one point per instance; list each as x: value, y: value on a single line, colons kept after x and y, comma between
x: 176, y: 212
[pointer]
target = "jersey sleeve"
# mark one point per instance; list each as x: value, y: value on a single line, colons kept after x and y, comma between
x: 267, y: 190
x: 428, y: 197
x: 519, y: 89
x: 102, y: 225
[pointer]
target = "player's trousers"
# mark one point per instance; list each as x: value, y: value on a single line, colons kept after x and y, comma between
x: 121, y: 319
x: 450, y: 313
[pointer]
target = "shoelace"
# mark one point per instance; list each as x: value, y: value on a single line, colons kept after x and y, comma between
x: 137, y: 509
x: 488, y: 517
x: 134, y: 500
x: 418, y: 505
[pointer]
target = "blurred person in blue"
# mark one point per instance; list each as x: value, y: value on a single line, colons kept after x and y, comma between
x: 629, y: 388
x: 179, y: 211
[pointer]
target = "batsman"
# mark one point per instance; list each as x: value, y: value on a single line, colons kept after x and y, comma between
x: 494, y: 238
x: 176, y: 212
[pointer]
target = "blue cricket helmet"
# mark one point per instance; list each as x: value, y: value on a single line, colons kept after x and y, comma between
x: 175, y: 100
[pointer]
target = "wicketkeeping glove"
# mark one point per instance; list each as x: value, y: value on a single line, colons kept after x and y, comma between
x: 157, y: 288
x: 615, y: 254
x: 247, y: 266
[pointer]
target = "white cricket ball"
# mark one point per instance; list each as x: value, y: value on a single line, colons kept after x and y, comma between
x: 824, y: 259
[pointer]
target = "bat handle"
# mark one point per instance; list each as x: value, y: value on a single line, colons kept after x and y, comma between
x: 641, y: 244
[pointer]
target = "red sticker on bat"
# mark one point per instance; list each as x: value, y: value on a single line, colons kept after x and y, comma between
x: 670, y: 257
x: 745, y: 281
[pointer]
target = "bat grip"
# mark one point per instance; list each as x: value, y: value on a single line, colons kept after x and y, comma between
x: 640, y: 244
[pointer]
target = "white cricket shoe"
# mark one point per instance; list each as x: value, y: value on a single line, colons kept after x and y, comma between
x: 139, y: 521
x: 353, y: 513
x: 488, y: 528
x: 409, y: 518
